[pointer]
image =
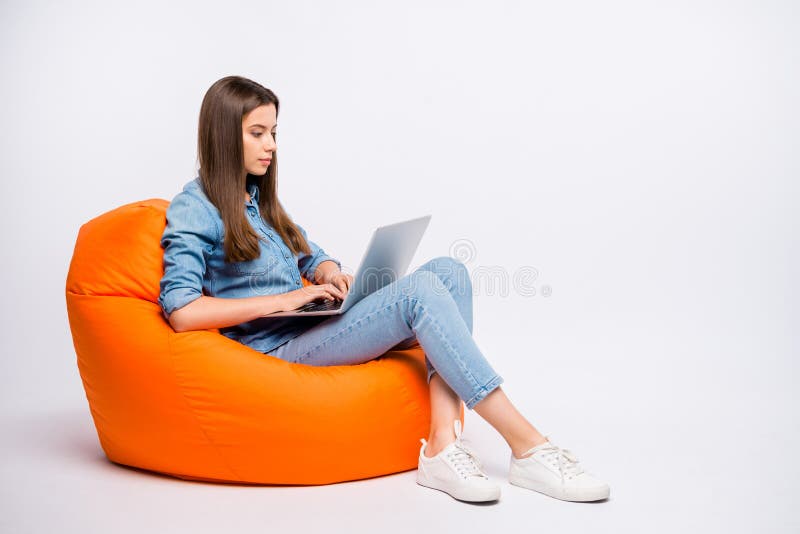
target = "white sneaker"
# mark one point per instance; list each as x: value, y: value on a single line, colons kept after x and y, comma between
x: 556, y: 472
x: 456, y: 470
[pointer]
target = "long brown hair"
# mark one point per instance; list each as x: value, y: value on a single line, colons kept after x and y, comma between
x: 221, y: 157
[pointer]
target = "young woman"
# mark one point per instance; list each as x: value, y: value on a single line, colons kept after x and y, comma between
x: 233, y: 255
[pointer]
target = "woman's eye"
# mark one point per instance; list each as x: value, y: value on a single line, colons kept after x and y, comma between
x: 258, y: 134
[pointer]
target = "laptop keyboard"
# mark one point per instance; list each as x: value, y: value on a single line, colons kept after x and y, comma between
x: 320, y: 305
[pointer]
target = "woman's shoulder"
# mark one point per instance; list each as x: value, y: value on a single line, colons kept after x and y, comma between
x: 191, y: 206
x: 194, y: 188
x: 193, y: 193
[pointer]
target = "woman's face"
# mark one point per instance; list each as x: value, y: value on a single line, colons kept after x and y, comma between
x: 258, y: 130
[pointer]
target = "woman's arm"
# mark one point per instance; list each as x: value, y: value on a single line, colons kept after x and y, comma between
x: 189, y: 239
x: 324, y: 270
x: 315, y: 263
x: 212, y: 312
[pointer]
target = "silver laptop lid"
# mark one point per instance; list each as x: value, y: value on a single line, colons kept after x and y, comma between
x: 388, y: 255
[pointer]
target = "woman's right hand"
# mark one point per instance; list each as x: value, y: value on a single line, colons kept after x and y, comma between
x: 294, y: 299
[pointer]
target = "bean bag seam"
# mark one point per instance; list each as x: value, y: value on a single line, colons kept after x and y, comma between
x: 408, y: 397
x: 143, y: 299
x: 192, y: 410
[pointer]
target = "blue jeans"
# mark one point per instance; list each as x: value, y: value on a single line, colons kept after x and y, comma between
x: 431, y: 306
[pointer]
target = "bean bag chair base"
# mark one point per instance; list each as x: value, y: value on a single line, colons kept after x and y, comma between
x: 199, y: 406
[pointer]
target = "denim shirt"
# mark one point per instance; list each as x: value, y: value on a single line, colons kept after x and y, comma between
x: 194, y: 264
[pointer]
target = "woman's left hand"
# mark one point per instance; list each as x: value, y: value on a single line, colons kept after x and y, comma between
x: 340, y: 280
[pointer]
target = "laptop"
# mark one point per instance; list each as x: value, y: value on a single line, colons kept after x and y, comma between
x: 386, y: 259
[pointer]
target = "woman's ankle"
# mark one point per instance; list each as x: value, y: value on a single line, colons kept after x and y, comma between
x: 519, y: 450
x: 438, y: 441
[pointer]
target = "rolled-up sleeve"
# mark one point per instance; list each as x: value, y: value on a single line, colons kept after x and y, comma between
x: 308, y: 263
x: 188, y: 240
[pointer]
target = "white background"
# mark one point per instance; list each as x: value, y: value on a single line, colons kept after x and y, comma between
x: 641, y: 156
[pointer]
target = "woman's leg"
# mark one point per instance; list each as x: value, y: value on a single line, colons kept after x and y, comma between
x: 418, y: 307
x: 455, y: 277
x: 496, y: 408
x: 445, y: 403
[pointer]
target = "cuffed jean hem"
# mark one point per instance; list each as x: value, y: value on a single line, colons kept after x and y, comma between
x: 485, y: 390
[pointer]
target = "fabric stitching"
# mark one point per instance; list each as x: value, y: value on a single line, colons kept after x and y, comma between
x: 213, y: 218
x: 340, y: 332
x: 484, y: 391
x: 460, y: 361
x: 193, y: 412
x: 452, y: 350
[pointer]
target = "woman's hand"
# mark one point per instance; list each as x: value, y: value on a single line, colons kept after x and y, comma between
x: 294, y: 299
x: 340, y: 280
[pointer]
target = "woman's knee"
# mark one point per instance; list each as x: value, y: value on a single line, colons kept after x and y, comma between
x: 425, y: 284
x: 438, y: 278
x: 451, y: 271
x: 443, y: 264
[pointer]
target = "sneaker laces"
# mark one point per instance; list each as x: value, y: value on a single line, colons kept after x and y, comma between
x: 466, y: 460
x: 564, y: 459
x: 463, y: 458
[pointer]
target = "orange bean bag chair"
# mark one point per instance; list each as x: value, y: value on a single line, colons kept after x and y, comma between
x: 199, y: 406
